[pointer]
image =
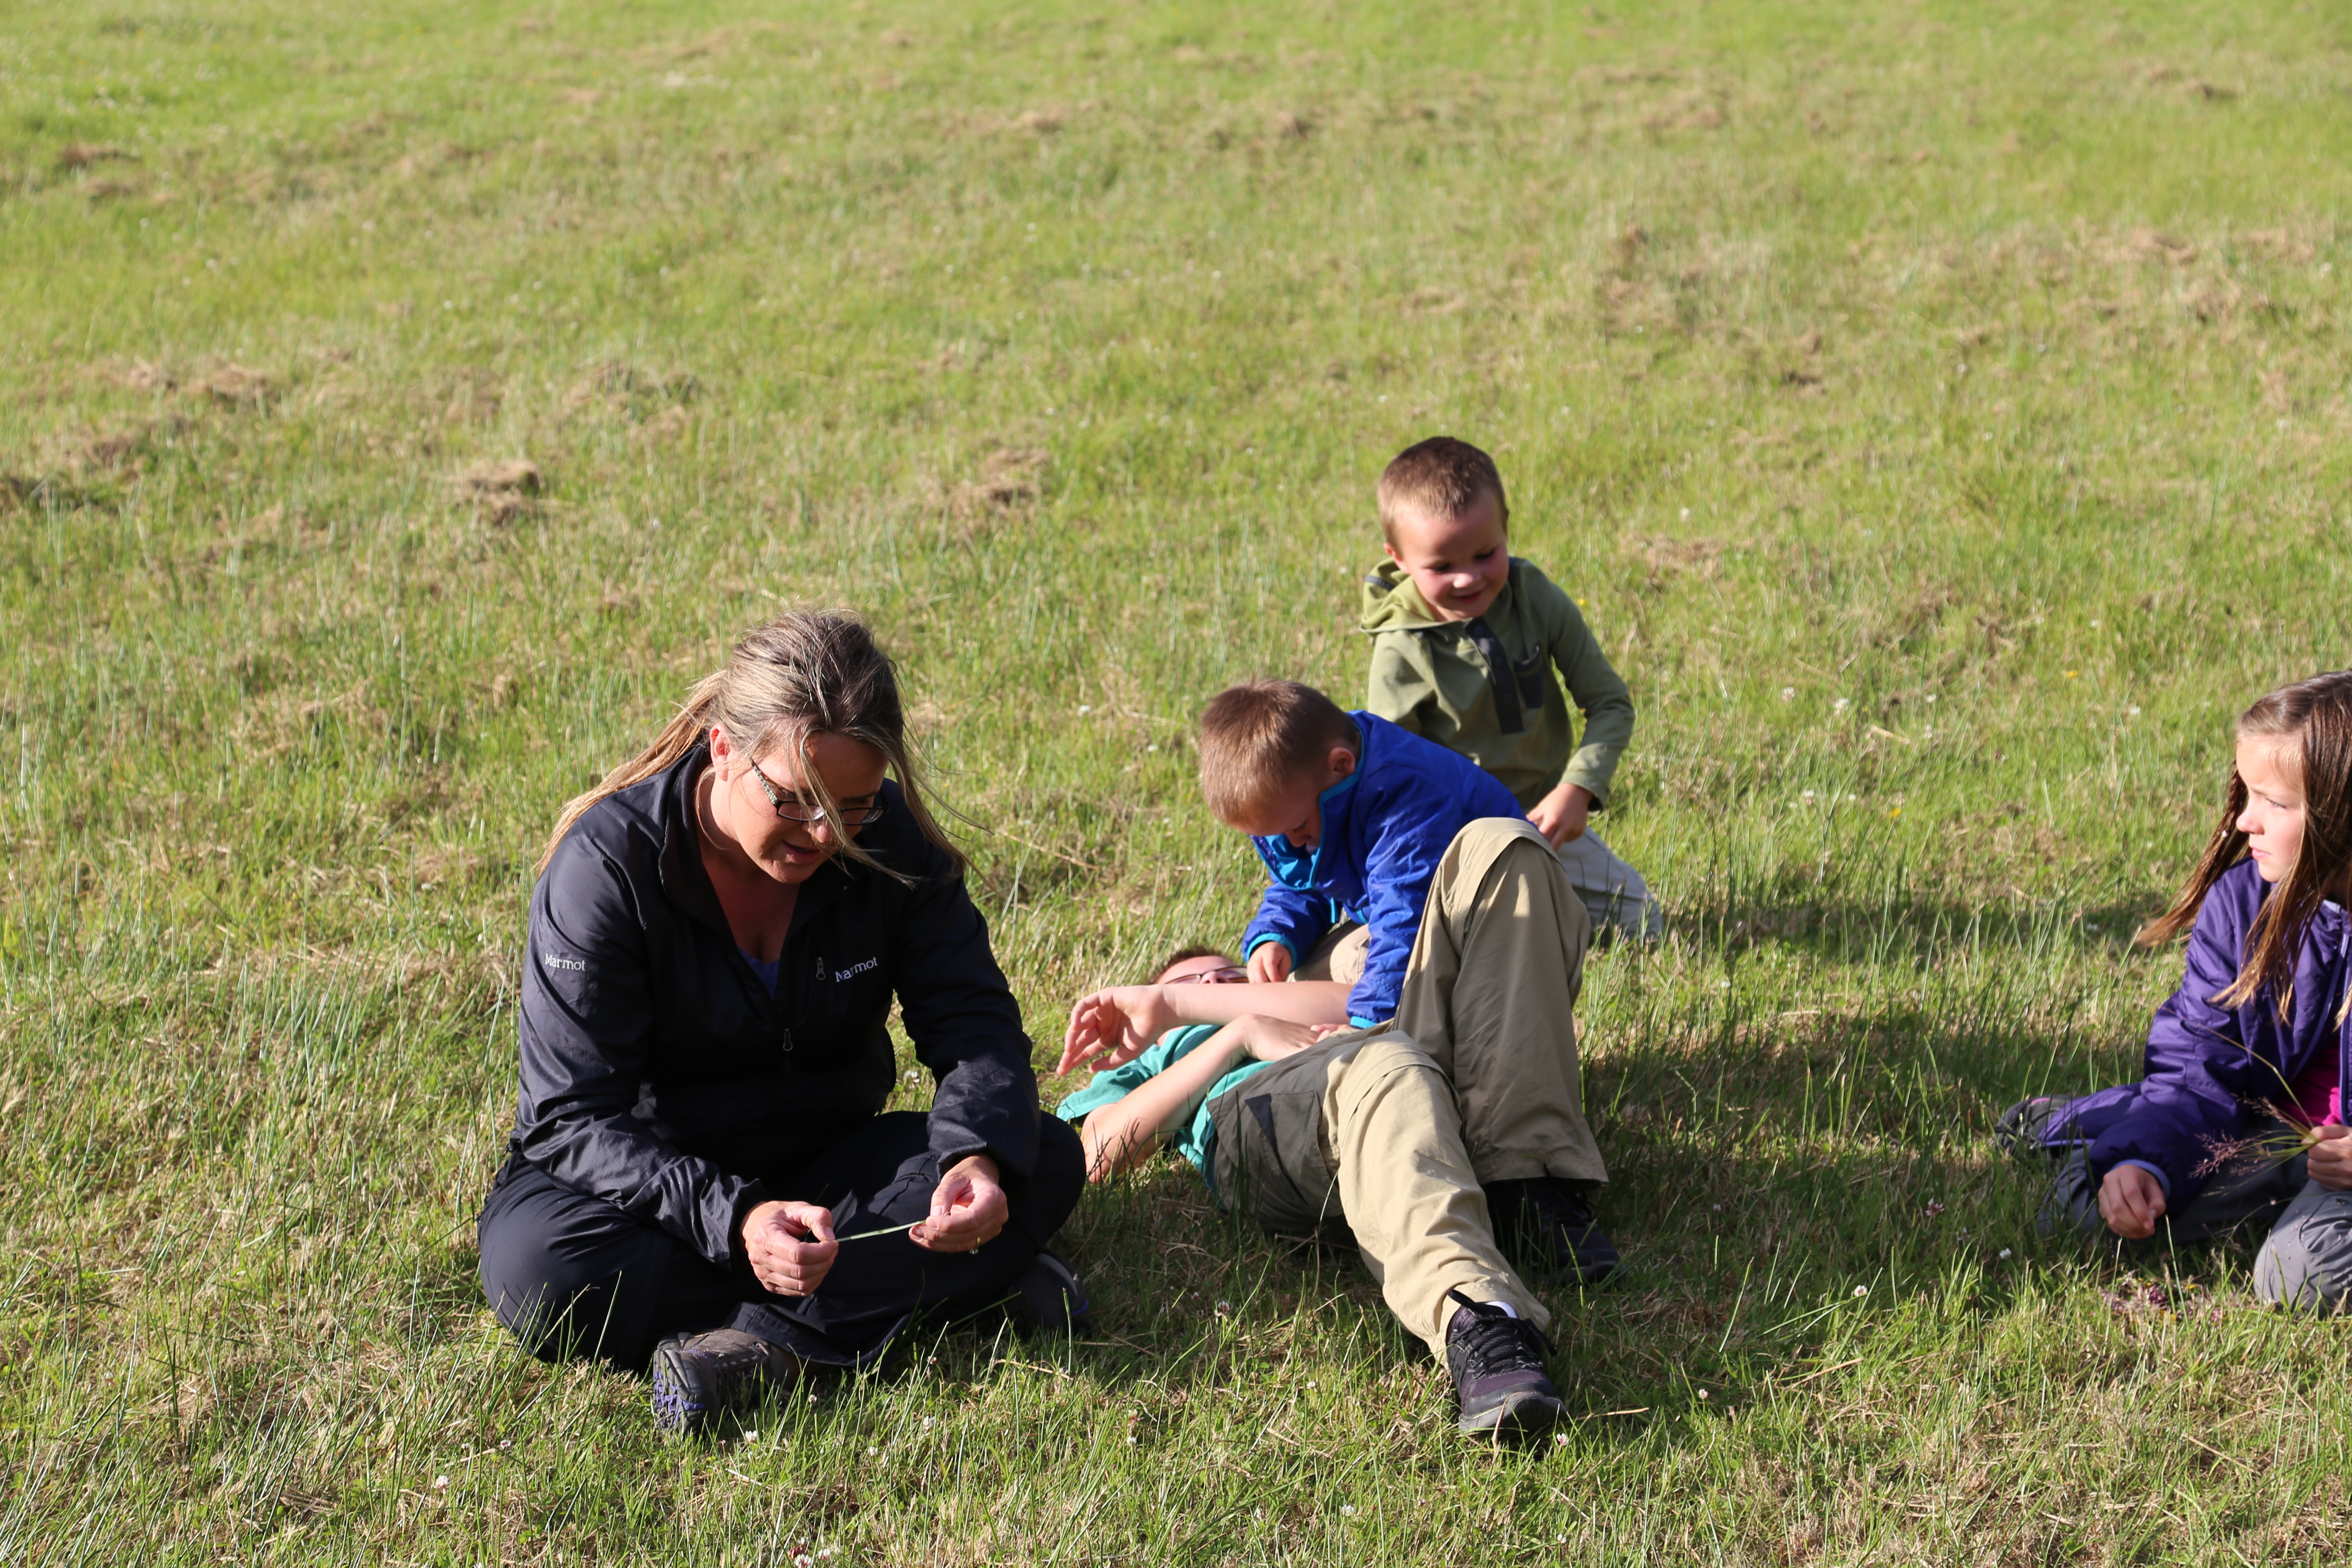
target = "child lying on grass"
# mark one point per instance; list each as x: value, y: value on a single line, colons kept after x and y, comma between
x: 1356, y: 1140
x: 2239, y: 1120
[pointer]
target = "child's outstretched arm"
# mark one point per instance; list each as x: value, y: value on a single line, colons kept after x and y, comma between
x: 1112, y: 1027
x: 1129, y: 1131
x: 1598, y: 692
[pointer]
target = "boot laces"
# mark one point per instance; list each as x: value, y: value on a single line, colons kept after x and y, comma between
x: 1495, y: 1340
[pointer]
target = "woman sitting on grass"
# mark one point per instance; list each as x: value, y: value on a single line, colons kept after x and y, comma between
x: 2239, y: 1119
x: 700, y: 1175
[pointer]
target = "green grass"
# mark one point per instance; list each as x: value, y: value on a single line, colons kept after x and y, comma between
x: 1941, y: 409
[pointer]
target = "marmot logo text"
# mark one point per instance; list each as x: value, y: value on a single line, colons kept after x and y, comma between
x: 841, y: 975
x: 554, y: 963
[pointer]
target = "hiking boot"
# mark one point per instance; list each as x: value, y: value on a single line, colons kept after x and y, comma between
x: 1498, y: 1373
x: 1048, y: 1299
x: 2023, y: 1126
x: 1546, y: 1226
x: 698, y: 1377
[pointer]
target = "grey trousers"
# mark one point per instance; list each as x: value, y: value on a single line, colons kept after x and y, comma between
x: 2305, y: 1260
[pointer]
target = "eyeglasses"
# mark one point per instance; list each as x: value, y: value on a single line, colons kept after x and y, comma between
x: 790, y: 807
x: 1229, y: 974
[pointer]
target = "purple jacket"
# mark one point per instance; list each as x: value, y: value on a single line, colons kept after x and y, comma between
x: 2209, y: 1069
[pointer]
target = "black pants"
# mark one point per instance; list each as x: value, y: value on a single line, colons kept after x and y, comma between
x: 572, y: 1276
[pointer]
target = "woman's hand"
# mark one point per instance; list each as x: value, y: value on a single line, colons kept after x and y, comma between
x: 1116, y: 1026
x: 968, y: 1208
x: 2131, y: 1201
x: 2331, y: 1157
x: 790, y: 1246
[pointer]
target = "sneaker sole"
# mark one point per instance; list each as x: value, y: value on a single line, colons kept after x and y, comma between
x: 1518, y: 1414
x: 679, y: 1406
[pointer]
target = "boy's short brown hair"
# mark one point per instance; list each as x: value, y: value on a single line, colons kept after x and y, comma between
x: 1440, y: 475
x: 1260, y: 736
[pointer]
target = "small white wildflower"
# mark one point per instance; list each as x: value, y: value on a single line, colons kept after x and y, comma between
x: 1685, y: 513
x: 752, y: 1436
x: 440, y: 1481
x: 1719, y: 1208
x: 870, y: 1452
x: 1808, y: 795
x: 1703, y: 1394
x: 1310, y: 1385
x: 929, y: 1422
x: 1560, y: 1439
x: 1931, y: 697
x: 1840, y: 706
x: 804, y: 1560
x: 2135, y: 710
x: 2004, y: 1252
x: 1788, y: 694
x: 1347, y: 1510
x: 1084, y: 707
x: 1225, y: 1306
x: 1859, y: 1292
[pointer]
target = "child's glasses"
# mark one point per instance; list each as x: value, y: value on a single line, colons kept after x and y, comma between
x: 1232, y: 974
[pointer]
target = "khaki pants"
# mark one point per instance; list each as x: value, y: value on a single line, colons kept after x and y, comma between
x: 1396, y: 1129
x: 1362, y: 1130
x: 1487, y: 995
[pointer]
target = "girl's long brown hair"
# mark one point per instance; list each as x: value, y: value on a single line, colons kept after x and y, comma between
x: 804, y: 674
x: 2310, y: 723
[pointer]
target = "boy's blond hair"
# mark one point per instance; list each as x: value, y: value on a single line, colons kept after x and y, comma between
x: 1260, y: 737
x: 1440, y: 476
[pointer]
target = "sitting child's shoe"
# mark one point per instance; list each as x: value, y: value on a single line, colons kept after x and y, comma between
x: 1545, y: 1226
x: 2023, y: 1126
x: 1498, y: 1373
x: 1048, y: 1298
x: 698, y: 1377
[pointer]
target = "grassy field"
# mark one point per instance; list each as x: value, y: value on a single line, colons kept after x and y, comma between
x: 1940, y: 409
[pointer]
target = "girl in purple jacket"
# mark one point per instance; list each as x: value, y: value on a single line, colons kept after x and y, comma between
x: 2239, y: 1120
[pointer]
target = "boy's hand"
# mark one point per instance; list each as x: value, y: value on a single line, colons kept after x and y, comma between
x: 2331, y: 1158
x: 1115, y: 1026
x: 1270, y: 1039
x: 2131, y: 1201
x: 1269, y: 964
x: 1559, y: 815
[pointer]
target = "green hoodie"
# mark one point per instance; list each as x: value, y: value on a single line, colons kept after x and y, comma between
x: 1429, y: 676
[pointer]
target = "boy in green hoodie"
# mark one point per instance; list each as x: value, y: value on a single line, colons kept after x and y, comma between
x: 1466, y: 636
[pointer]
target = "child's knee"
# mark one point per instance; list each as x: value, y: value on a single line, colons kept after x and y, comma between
x: 2307, y: 1262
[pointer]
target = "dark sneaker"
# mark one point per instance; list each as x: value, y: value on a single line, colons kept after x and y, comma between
x: 1048, y: 1298
x: 2023, y: 1127
x: 1498, y: 1373
x: 698, y: 1377
x: 1546, y: 1226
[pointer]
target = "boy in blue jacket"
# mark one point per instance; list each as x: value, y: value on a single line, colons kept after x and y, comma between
x: 1359, y: 822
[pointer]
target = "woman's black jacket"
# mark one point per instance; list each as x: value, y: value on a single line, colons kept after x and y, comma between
x: 657, y: 1073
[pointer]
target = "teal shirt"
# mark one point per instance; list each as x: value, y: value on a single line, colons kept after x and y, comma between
x: 1197, y: 1141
